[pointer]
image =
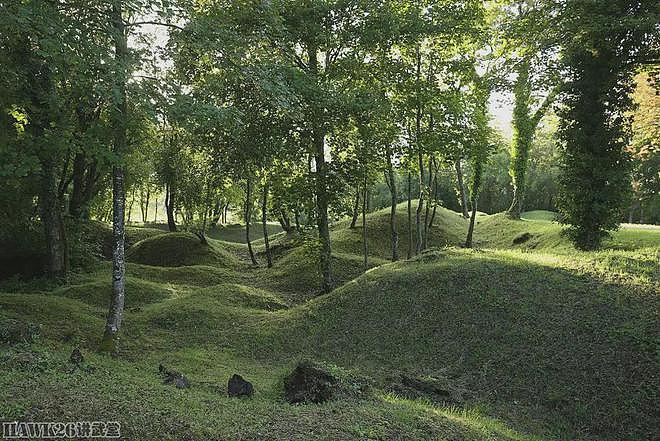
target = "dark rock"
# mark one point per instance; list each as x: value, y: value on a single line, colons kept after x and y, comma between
x: 173, y: 377
x: 309, y: 384
x: 76, y: 356
x: 522, y: 238
x: 237, y: 386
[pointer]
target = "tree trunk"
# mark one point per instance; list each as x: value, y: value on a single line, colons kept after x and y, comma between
x: 468, y: 240
x: 296, y: 217
x: 420, y: 158
x: 410, y: 229
x: 435, y: 195
x: 394, y: 234
x: 115, y: 314
x: 145, y: 196
x: 318, y: 142
x: 51, y: 218
x: 427, y: 217
x: 356, y: 209
x: 420, y: 207
x: 224, y: 213
x: 75, y: 202
x: 170, y: 198
x: 461, y: 188
x: 365, y: 247
x: 83, y: 180
x: 264, y: 219
x: 130, y: 206
x: 248, y: 218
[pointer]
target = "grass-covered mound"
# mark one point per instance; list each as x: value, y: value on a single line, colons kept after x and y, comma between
x: 569, y: 353
x: 178, y: 249
x: 540, y: 342
x: 99, y: 292
x: 236, y: 232
x: 448, y: 228
x: 298, y: 273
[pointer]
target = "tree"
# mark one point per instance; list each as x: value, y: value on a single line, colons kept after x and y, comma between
x: 610, y: 41
x: 115, y: 314
x: 528, y: 33
x: 645, y: 150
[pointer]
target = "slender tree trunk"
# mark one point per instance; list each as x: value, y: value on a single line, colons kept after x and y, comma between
x: 435, y: 195
x: 264, y: 219
x: 170, y: 198
x: 356, y: 209
x: 318, y: 141
x: 156, y: 212
x: 420, y: 158
x: 468, y: 240
x: 365, y: 246
x: 224, y: 214
x: 145, y: 196
x: 461, y: 188
x: 296, y: 216
x: 115, y: 314
x: 130, y: 207
x: 394, y: 234
x: 420, y: 207
x: 51, y: 219
x: 410, y: 229
x: 427, y: 217
x: 248, y: 218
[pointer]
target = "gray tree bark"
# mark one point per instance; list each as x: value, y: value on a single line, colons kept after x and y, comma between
x: 113, y: 323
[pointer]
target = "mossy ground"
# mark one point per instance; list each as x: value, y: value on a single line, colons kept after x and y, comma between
x: 543, y: 342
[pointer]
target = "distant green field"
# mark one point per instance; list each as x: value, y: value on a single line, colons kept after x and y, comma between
x: 540, y: 215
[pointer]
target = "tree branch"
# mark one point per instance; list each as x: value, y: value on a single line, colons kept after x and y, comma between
x: 155, y: 23
x: 547, y: 102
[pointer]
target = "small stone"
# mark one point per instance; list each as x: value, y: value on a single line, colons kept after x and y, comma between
x: 76, y: 356
x: 237, y: 386
x: 173, y: 377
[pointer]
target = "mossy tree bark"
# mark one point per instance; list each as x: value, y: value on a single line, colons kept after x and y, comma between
x: 525, y: 124
x: 113, y: 323
x: 523, y: 132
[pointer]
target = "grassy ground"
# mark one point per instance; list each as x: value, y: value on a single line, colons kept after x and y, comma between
x: 532, y: 341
